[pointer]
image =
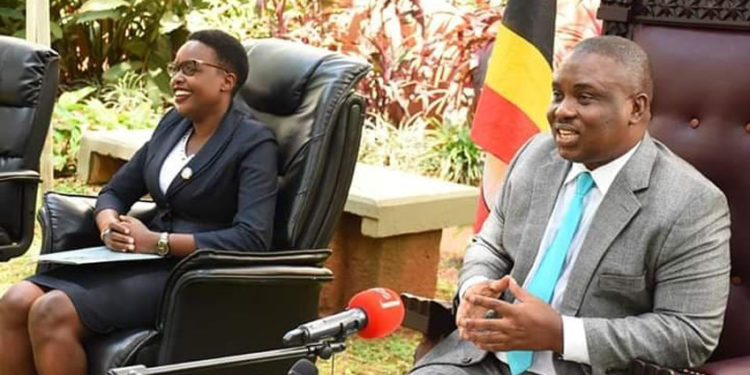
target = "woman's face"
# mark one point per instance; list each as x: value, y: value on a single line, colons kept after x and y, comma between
x: 199, y: 81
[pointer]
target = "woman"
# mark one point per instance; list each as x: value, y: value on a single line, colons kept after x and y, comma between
x: 211, y: 171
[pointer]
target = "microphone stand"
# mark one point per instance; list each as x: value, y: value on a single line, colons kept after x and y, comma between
x: 322, y: 349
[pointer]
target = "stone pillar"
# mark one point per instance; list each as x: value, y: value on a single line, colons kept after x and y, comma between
x: 404, y: 263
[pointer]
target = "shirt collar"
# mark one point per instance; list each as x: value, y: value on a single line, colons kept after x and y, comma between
x: 605, y: 174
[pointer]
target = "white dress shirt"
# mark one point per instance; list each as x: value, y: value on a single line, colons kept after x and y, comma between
x: 574, y: 336
x: 174, y: 163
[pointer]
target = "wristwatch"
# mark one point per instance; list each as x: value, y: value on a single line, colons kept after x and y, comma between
x: 162, y: 246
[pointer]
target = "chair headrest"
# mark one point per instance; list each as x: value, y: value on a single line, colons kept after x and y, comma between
x: 278, y: 74
x: 22, y: 69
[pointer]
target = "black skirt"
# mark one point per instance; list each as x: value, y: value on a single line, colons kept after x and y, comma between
x: 110, y: 296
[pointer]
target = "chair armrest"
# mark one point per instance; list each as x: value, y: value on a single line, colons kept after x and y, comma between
x: 67, y: 221
x: 22, y: 175
x: 431, y: 317
x: 254, y: 299
x: 28, y: 181
x: 733, y: 366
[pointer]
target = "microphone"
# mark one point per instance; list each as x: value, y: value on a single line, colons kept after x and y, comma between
x: 303, y: 367
x: 375, y: 312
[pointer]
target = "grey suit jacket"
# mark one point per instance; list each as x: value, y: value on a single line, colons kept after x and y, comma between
x: 652, y: 277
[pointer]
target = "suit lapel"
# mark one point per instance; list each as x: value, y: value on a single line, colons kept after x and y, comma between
x: 206, y: 155
x: 547, y: 182
x: 616, y: 210
x: 162, y: 148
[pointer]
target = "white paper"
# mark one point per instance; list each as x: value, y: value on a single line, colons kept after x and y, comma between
x: 97, y: 254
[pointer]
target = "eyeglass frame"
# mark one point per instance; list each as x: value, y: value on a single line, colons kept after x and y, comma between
x: 173, y: 68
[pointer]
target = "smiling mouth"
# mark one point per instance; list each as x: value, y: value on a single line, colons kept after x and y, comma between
x: 181, y: 95
x: 566, y: 136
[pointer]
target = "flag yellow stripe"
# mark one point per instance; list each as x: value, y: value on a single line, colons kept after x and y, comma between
x: 521, y: 74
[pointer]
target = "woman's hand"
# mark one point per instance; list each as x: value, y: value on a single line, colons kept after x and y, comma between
x: 144, y: 240
x: 114, y: 233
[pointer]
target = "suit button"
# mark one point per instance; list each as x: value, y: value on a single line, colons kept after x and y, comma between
x: 466, y: 360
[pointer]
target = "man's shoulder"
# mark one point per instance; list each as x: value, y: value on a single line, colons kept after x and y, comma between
x: 674, y: 172
x: 539, y: 149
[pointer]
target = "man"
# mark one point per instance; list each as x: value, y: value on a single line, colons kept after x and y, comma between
x: 613, y: 247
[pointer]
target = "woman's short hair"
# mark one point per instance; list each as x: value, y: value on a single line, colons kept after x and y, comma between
x: 228, y: 50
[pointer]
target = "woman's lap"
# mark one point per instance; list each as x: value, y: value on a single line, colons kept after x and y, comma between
x: 111, y: 296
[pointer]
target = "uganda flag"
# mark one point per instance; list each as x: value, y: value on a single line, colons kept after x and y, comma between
x: 518, y: 85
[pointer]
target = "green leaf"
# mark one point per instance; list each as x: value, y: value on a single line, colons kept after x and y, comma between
x: 136, y: 47
x: 170, y: 22
x: 11, y: 13
x: 159, y: 80
x: 97, y: 15
x: 116, y: 71
x: 69, y: 98
x: 56, y: 30
x: 101, y: 5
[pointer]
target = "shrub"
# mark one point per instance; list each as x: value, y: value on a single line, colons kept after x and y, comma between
x: 454, y: 156
x: 124, y: 103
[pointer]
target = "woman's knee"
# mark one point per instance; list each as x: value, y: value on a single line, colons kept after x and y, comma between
x: 16, y: 303
x: 51, y: 314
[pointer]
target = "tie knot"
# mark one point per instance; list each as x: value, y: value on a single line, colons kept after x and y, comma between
x: 584, y: 183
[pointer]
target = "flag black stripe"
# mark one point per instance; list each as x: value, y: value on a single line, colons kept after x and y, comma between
x: 533, y: 20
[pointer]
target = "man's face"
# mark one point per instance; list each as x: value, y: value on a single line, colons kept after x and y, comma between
x: 592, y: 114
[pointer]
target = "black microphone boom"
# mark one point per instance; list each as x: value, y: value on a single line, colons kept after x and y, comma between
x: 338, y: 325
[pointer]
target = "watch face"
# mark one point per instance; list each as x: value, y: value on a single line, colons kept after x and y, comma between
x: 162, y: 247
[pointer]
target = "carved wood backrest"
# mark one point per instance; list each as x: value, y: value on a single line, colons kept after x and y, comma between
x: 700, y: 57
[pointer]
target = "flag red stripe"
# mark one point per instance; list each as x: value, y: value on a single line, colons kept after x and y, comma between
x: 503, y: 130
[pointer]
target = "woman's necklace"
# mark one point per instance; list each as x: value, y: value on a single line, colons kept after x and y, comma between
x: 183, y: 146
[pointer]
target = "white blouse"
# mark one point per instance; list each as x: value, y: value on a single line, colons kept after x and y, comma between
x: 175, y: 162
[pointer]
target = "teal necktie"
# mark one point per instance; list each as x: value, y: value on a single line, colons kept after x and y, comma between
x: 543, y: 283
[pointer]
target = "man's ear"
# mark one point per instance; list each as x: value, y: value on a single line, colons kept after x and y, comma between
x: 229, y: 81
x: 641, y: 108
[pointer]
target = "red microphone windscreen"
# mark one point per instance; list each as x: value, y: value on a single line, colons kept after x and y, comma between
x: 384, y: 311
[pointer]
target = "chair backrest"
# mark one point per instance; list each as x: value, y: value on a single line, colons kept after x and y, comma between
x: 305, y: 95
x: 28, y: 84
x: 700, y: 56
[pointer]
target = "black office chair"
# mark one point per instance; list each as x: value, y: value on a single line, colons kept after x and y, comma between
x: 219, y: 303
x: 28, y: 84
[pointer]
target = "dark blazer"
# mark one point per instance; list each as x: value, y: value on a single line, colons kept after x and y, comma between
x: 229, y: 200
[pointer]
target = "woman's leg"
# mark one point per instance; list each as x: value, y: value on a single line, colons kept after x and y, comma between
x: 56, y: 334
x: 15, y: 346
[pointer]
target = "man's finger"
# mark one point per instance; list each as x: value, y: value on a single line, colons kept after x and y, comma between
x: 486, y: 325
x: 501, y: 347
x: 487, y: 338
x: 520, y: 293
x: 499, y: 286
x: 501, y: 307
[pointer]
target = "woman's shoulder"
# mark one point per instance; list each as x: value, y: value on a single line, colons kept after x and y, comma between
x: 250, y: 128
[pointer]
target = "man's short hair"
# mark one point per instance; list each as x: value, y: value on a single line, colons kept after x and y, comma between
x: 228, y: 50
x: 627, y: 53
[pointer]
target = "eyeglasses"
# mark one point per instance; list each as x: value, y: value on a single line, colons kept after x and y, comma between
x: 190, y: 67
